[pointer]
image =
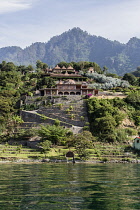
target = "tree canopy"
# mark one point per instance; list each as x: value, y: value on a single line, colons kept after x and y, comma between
x: 56, y: 134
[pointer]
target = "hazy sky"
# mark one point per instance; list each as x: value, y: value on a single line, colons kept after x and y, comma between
x: 23, y: 22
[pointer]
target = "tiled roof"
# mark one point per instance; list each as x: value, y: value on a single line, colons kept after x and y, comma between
x: 57, y: 67
x: 63, y: 67
x: 70, y: 68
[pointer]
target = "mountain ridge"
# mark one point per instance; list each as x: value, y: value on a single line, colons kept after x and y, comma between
x: 77, y: 45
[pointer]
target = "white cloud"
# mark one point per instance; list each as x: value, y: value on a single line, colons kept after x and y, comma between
x: 39, y: 20
x: 7, y: 6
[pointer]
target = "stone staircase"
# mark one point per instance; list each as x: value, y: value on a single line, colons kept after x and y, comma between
x: 71, y: 113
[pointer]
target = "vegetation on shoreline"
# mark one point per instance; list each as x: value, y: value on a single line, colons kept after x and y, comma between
x: 101, y: 152
x: 105, y: 115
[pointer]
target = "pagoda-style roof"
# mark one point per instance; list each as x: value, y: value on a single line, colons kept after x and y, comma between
x: 57, y: 67
x: 70, y: 68
x: 64, y: 68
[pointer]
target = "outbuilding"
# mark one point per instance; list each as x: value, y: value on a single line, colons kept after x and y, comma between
x: 136, y: 143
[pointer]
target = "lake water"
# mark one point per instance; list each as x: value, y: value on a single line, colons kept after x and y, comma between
x: 67, y: 186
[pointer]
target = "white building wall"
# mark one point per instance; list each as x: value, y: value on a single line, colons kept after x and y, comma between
x: 136, y: 143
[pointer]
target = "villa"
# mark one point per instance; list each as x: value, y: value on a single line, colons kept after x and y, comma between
x: 69, y: 87
x: 70, y: 82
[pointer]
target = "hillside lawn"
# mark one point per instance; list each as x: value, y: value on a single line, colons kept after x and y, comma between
x: 103, y: 152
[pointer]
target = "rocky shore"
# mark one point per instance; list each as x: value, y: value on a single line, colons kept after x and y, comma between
x: 10, y: 160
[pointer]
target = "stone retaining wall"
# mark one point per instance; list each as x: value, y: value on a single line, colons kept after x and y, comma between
x: 54, y: 112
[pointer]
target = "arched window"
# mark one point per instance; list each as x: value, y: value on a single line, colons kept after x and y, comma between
x: 60, y: 93
x: 72, y: 93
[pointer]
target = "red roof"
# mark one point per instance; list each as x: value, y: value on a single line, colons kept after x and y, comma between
x: 137, y: 138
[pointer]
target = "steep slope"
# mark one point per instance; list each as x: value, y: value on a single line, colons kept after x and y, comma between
x: 74, y: 45
x: 10, y: 54
x: 129, y: 59
x: 77, y: 45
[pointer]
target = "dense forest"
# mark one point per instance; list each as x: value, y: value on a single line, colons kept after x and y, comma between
x: 105, y: 115
x: 77, y: 45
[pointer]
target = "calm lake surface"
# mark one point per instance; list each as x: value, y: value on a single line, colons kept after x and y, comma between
x: 67, y: 186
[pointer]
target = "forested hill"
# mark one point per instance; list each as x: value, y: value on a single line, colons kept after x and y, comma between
x: 77, y: 45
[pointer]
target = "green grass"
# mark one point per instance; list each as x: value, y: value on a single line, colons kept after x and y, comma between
x: 12, y: 151
x: 101, y: 151
x: 9, y: 151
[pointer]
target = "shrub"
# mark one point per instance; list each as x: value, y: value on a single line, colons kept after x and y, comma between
x: 81, y: 142
x: 82, y: 118
x: 71, y: 108
x: 105, y: 159
x: 60, y: 106
x: 67, y: 111
x: 30, y: 107
x: 106, y: 82
x: 45, y: 146
x: 86, y: 128
x: 126, y: 159
x: 134, y: 99
x: 39, y: 98
x: 121, y: 135
x: 30, y: 94
x: 18, y: 149
x: 83, y: 154
x: 87, y: 123
x: 55, y: 134
x: 131, y: 131
x: 72, y: 116
x: 136, y: 117
x: 57, y: 122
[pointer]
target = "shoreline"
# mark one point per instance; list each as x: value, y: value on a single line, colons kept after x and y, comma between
x: 32, y: 161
